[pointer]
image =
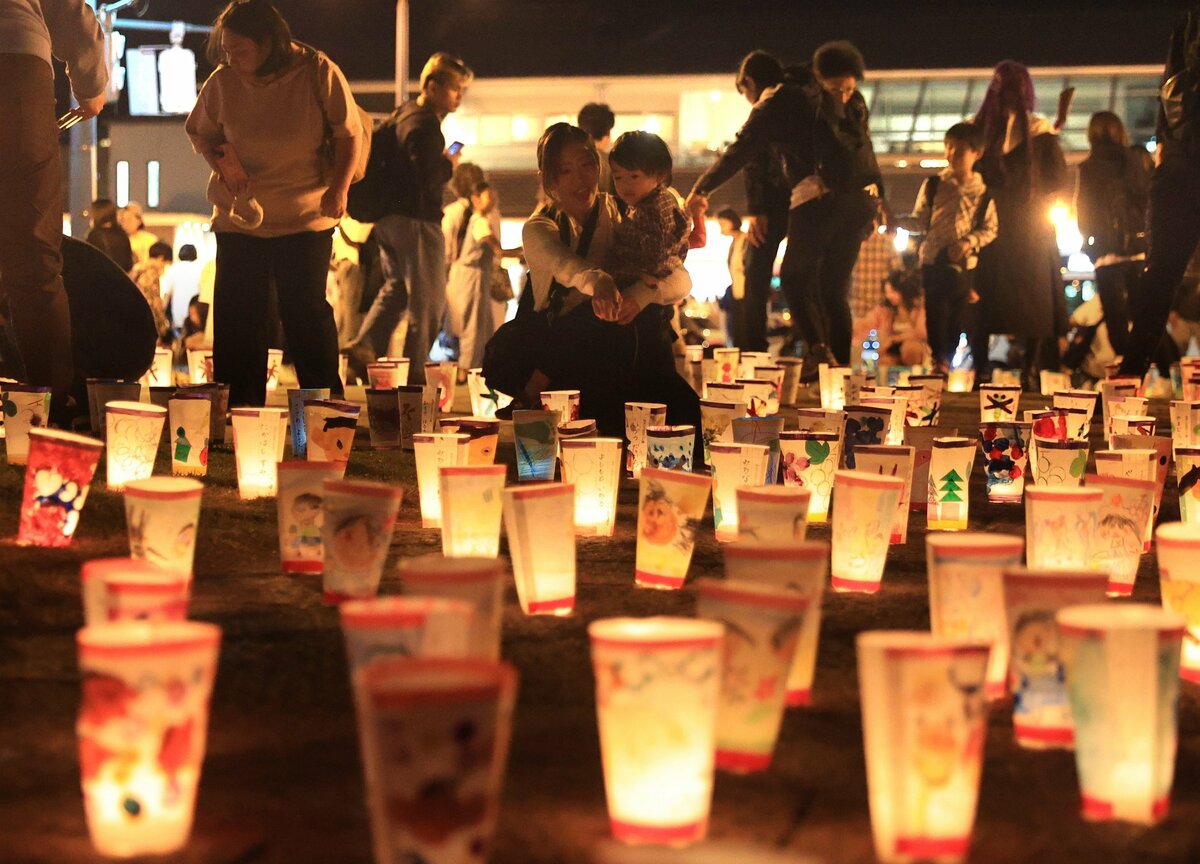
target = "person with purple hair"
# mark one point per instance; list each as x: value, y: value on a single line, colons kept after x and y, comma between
x: 1018, y: 277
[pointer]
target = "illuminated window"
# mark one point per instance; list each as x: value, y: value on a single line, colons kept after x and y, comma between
x: 495, y: 129
x: 122, y: 183
x: 153, y: 172
x: 523, y: 128
x: 461, y: 127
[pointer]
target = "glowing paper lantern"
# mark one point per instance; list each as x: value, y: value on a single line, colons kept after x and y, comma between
x: 565, y: 402
x: 383, y: 419
x: 1060, y: 526
x: 470, y: 509
x: 162, y: 514
x: 719, y: 392
x: 388, y: 374
x: 920, y: 438
x: 539, y: 522
x: 160, y: 373
x: 1187, y: 473
x: 141, y: 728
x: 734, y: 466
x: 126, y: 589
x: 947, y: 501
x: 484, y: 399
x: 102, y: 392
x: 412, y: 410
x: 433, y: 451
x: 218, y: 396
x: 593, y: 467
x: 1060, y: 463
x: 299, y: 505
x: 200, y: 365
x: 1110, y: 391
x: 484, y: 433
x: 670, y: 447
x: 774, y: 374
x: 765, y: 431
x: 24, y: 407
x: 478, y: 581
x: 896, y: 407
x: 1051, y: 382
x: 1085, y: 399
x: 58, y: 474
x: 404, y: 627
x: 1004, y: 448
x: 810, y: 460
x: 274, y: 364
x: 863, y: 509
x: 1185, y: 424
x: 960, y: 381
x: 1041, y: 709
x: 832, y: 382
x: 1132, y: 424
x: 1122, y: 529
x: 759, y: 394
x: 865, y: 424
x: 762, y: 630
x: 535, y: 436
x: 748, y: 361
x: 1161, y: 445
x: 856, y: 384
x: 789, y: 388
x: 357, y: 520
x: 891, y: 462
x: 1179, y: 583
x: 670, y: 507
x: 259, y: 438
x: 134, y: 430
x: 639, y: 416
x: 1128, y: 406
x: 772, y: 515
x: 1122, y: 666
x: 1060, y: 423
x: 658, y: 687
x: 727, y: 364
x: 998, y: 403
x: 330, y: 426
x: 1006, y: 377
x: 716, y: 423
x: 820, y: 420
x: 296, y: 400
x: 575, y: 429
x: 187, y: 438
x: 444, y: 376
x: 417, y: 721
x: 924, y: 723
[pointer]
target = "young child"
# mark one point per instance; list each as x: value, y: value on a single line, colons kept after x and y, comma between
x: 731, y: 303
x: 652, y: 238
x: 148, y: 276
x: 958, y: 218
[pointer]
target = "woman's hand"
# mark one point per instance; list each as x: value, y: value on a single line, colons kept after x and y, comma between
x: 237, y: 186
x: 606, y: 300
x: 333, y: 202
x: 628, y: 311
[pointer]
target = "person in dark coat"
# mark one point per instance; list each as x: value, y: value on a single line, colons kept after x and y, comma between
x: 1018, y: 281
x: 108, y: 236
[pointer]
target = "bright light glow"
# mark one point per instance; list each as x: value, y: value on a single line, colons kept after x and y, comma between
x: 521, y: 127
x: 122, y: 183
x: 901, y: 241
x: 1059, y: 214
x: 153, y: 173
x: 1077, y: 262
x: 653, y: 124
x: 901, y: 163
x: 714, y: 95
x: 934, y: 163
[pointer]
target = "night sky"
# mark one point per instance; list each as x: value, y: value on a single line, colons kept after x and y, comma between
x: 611, y: 37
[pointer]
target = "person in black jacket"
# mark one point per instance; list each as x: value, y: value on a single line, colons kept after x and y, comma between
x: 109, y: 237
x: 412, y: 250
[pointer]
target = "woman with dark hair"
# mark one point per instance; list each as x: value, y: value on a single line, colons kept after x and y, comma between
x: 109, y: 237
x: 1018, y: 280
x: 266, y: 121
x: 899, y: 321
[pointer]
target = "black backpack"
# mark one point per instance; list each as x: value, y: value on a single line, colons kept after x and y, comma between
x: 371, y: 198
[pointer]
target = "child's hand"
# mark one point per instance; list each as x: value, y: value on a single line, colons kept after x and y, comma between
x: 628, y: 311
x: 973, y: 297
x: 606, y: 301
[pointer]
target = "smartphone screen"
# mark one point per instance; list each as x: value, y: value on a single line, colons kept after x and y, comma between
x: 454, y: 148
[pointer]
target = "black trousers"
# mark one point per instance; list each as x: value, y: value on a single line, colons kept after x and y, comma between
x: 1174, y: 224
x: 750, y: 313
x: 1114, y: 282
x: 946, y: 292
x: 247, y: 268
x: 824, y: 236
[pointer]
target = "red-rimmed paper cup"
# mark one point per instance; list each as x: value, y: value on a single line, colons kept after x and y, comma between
x: 58, y: 475
x: 774, y: 374
x: 188, y: 433
x: 405, y: 627
x: 820, y: 420
x: 412, y: 411
x: 657, y: 694
x: 484, y: 433
x: 103, y: 391
x: 670, y: 507
x: 1050, y: 382
x: 1179, y: 584
x: 1110, y: 391
x: 1185, y: 424
x: 478, y: 581
x: 218, y: 396
x: 142, y: 727
x: 864, y: 506
x: 565, y: 402
x: 161, y: 372
x: 763, y: 624
x: 259, y: 439
x: 200, y: 364
x: 864, y: 424
x: 966, y: 593
x: 1139, y: 465
x: 920, y: 438
x: 728, y: 364
x: 444, y: 376
x: 24, y: 407
x: 299, y: 509
x: 471, y: 508
x: 434, y: 451
x: 1132, y: 424
x: 831, y: 380
x: 1061, y: 526
x: 759, y: 395
x: 1041, y: 708
x: 928, y: 405
x: 299, y: 432
x: 1004, y: 448
x: 134, y: 431
x: 639, y: 416
x: 593, y: 467
x: 539, y: 519
x: 891, y: 461
x: 960, y: 381
x: 764, y: 431
x: 810, y: 460
x: 897, y: 407
x: 128, y: 589
x: 330, y: 425
x: 357, y: 521
x: 771, y: 515
x: 1085, y: 399
x: 947, y: 500
x: 998, y: 403
x: 383, y: 418
x: 730, y: 392
x: 734, y: 466
x: 1122, y: 528
x: 1122, y: 671
x: 433, y: 723
x: 163, y: 514
x: 1161, y: 445
x: 924, y: 723
x: 670, y: 447
x: 388, y: 374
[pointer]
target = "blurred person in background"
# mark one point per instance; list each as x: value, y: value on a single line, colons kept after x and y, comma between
x: 733, y: 300
x: 899, y: 321
x: 107, y: 236
x: 148, y: 276
x: 597, y: 119
x: 132, y: 221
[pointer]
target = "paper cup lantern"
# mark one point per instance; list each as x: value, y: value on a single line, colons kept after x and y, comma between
x: 1061, y: 526
x: 128, y: 589
x: 1185, y: 424
x: 857, y: 384
x: 670, y: 447
x: 896, y: 406
x: 1179, y: 583
x: 1132, y: 424
x: 765, y: 431
x: 733, y: 467
x: 274, y: 364
x: 1124, y: 406
x: 1060, y: 463
x: 810, y: 460
x: 891, y: 462
x: 200, y: 365
x: 864, y: 506
x: 58, y: 474
x: 693, y: 352
x: 748, y: 361
x: 759, y: 396
x: 593, y: 467
x: 565, y: 402
x: 163, y: 514
x: 433, y: 452
x: 330, y: 426
x: 734, y: 393
x: 299, y: 500
x: 924, y: 723
x: 728, y: 365
x: 470, y: 509
x: 1187, y: 473
x: 105, y: 392
x: 1051, y: 382
x: 388, y: 374
x: 485, y: 400
x: 535, y: 436
x: 762, y: 630
x: 920, y: 438
x: 1122, y: 529
x: 639, y: 416
x: 1122, y: 669
x: 1004, y: 449
x: 832, y: 383
x: 575, y: 429
x: 24, y: 407
x: 259, y: 439
x: 947, y: 502
x: 716, y: 423
x: 1006, y: 377
x: 773, y: 374
x: 1085, y: 399
x: 434, y: 735
x: 141, y: 728
x: 296, y: 400
x: 1110, y: 391
x: 800, y: 567
x: 772, y: 515
x: 539, y: 522
x: 670, y: 507
x: 218, y: 397
x: 134, y: 430
x: 820, y: 420
x: 960, y: 381
x: 404, y: 627
x: 966, y: 593
x: 412, y: 408
x: 187, y: 434
x: 478, y: 581
x: 1161, y: 445
x: 484, y: 433
x: 864, y: 425
x: 789, y: 388
x: 658, y: 686
x: 161, y: 372
x: 383, y: 419
x: 445, y: 376
x: 1062, y: 424
x: 998, y: 403
x: 357, y: 520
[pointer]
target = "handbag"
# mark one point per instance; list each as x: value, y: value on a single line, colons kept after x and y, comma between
x: 500, y: 286
x: 326, y: 149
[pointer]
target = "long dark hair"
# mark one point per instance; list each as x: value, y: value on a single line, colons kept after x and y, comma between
x: 1010, y: 92
x: 258, y: 20
x: 549, y: 151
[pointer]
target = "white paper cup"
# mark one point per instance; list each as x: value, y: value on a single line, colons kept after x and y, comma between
x: 1060, y: 526
x: 593, y: 466
x: 163, y: 515
x: 864, y: 506
x: 299, y: 508
x: 133, y: 434
x: 772, y: 515
x: 734, y: 466
x: 539, y: 520
x: 357, y: 521
x: 470, y: 496
x: 405, y: 627
x: 478, y: 581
